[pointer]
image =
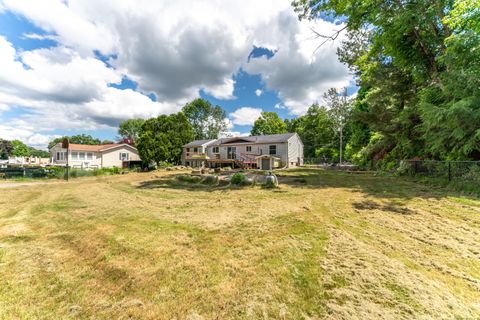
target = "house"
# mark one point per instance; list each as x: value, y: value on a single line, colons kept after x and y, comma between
x: 262, y: 152
x: 119, y: 155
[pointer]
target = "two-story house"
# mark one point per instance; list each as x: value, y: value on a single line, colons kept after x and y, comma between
x: 95, y: 156
x: 263, y: 152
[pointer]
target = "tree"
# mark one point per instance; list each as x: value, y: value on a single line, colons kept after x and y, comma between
x: 339, y: 111
x: 268, y: 123
x: 78, y: 139
x: 207, y: 121
x: 418, y: 63
x: 6, y: 148
x: 20, y: 149
x: 315, y: 128
x: 39, y: 153
x: 161, y: 139
x: 130, y: 129
x: 107, y: 141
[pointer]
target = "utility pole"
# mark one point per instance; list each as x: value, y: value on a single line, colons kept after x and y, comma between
x: 342, y: 123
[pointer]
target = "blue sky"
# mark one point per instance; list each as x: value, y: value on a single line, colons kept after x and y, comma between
x: 69, y: 71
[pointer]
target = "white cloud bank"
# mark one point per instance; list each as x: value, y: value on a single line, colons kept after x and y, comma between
x: 172, y: 49
x: 245, y: 116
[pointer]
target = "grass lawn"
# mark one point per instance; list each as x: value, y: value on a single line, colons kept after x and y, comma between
x: 325, y: 245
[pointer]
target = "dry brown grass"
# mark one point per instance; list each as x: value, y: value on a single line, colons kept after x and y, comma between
x: 323, y: 246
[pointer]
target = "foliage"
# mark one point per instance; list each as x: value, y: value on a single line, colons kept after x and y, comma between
x: 77, y: 139
x: 130, y: 129
x: 162, y: 138
x: 6, y: 148
x: 268, y: 123
x: 20, y: 149
x: 418, y: 66
x: 315, y: 129
x: 189, y: 178
x: 207, y: 121
x: 238, y: 178
x: 39, y: 153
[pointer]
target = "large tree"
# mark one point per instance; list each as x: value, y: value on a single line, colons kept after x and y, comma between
x: 418, y: 62
x: 78, y: 139
x: 315, y: 128
x: 20, y: 149
x: 161, y: 139
x: 130, y: 129
x: 207, y: 120
x: 268, y: 123
x: 6, y: 148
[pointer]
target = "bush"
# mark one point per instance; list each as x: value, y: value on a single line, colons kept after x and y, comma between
x: 210, y: 180
x: 188, y: 178
x: 55, y: 172
x: 238, y: 178
x: 227, y: 168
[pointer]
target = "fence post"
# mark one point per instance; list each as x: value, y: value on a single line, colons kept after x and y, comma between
x: 415, y: 168
x: 449, y: 172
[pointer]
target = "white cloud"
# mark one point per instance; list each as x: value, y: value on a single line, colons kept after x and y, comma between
x: 30, y: 138
x: 245, y: 116
x: 172, y: 49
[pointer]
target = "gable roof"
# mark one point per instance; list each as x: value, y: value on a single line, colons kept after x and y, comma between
x: 95, y: 148
x: 272, y: 138
x: 199, y: 143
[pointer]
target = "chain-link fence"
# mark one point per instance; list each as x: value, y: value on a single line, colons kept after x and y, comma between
x: 448, y: 170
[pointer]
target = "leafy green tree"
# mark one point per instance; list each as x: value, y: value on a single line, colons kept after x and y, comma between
x: 130, y: 129
x: 6, y: 148
x: 315, y: 128
x: 77, y: 139
x: 20, y: 149
x: 268, y: 123
x: 107, y: 141
x: 419, y: 64
x: 161, y: 139
x: 39, y: 153
x: 207, y: 121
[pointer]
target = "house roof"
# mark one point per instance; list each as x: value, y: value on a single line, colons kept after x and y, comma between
x: 95, y: 148
x: 199, y: 143
x: 272, y: 138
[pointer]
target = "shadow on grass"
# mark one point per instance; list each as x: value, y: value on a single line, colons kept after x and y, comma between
x: 382, y: 187
x: 391, y: 207
x: 172, y: 183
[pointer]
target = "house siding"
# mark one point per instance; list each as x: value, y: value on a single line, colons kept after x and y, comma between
x: 295, y: 151
x: 103, y: 159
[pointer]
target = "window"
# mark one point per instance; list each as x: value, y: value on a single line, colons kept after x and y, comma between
x: 215, y: 150
x: 272, y: 149
x: 124, y: 156
x: 61, y: 155
x: 195, y: 149
x: 249, y: 148
x: 74, y: 155
x: 81, y: 155
x: 188, y: 149
x: 89, y: 156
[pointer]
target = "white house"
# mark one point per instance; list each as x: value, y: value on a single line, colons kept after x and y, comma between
x: 264, y: 152
x: 95, y: 156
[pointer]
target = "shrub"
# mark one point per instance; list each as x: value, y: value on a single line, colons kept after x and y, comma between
x: 210, y: 180
x: 55, y: 172
x: 227, y: 168
x: 188, y: 178
x: 238, y: 178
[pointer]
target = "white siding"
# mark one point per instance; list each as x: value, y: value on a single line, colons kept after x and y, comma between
x: 111, y: 157
x: 295, y: 151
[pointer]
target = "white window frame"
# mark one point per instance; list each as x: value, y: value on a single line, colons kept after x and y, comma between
x: 81, y: 156
x: 123, y: 156
x: 89, y: 155
x: 215, y: 150
x: 248, y: 148
x: 74, y: 155
x: 61, y: 155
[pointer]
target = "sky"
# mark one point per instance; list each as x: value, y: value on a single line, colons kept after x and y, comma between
x: 82, y: 66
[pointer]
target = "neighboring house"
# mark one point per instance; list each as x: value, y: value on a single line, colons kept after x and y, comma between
x: 95, y: 156
x: 28, y: 161
x: 262, y: 152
